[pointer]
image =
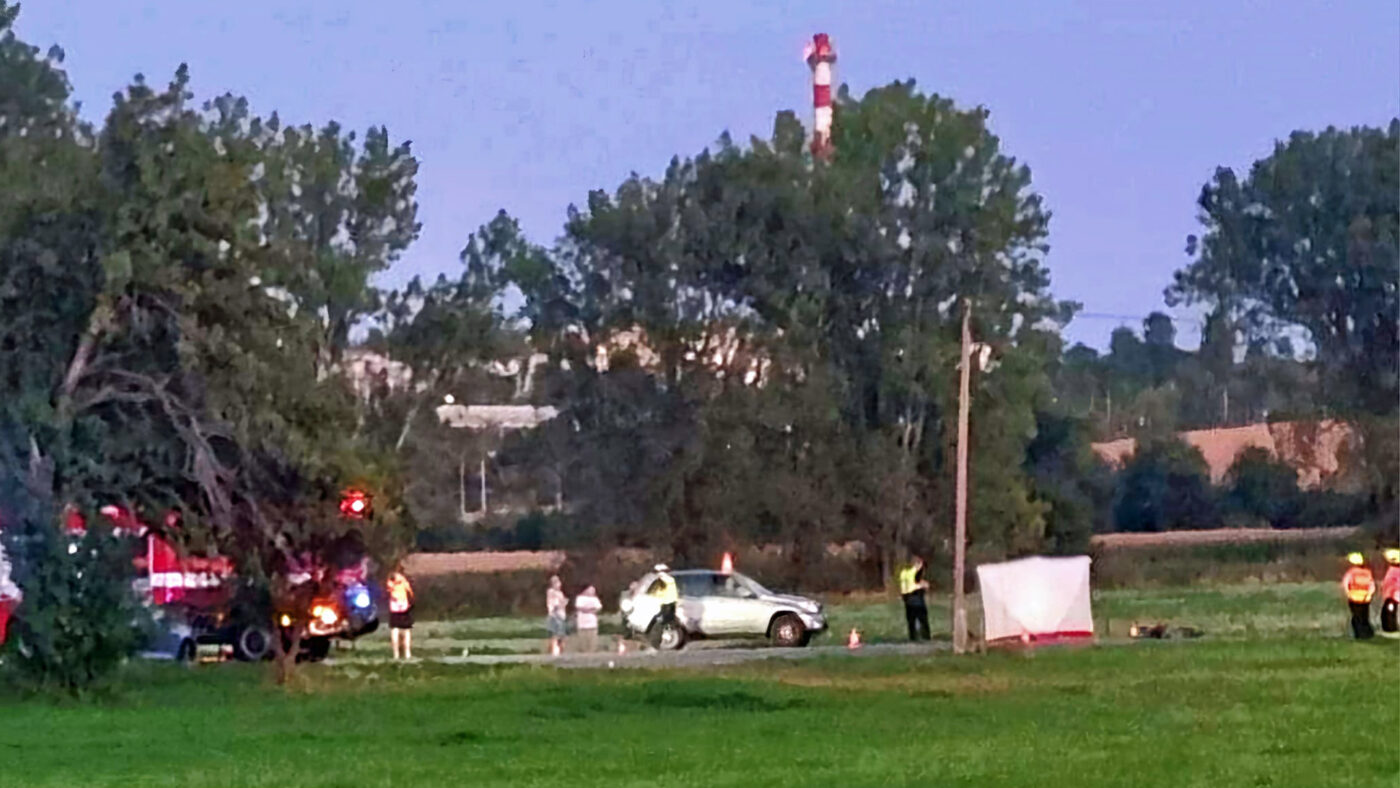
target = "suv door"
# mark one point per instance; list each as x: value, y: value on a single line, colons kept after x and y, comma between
x: 736, y: 610
x: 695, y: 599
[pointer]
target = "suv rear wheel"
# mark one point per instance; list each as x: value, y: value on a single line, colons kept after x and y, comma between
x: 787, y: 631
x: 666, y: 636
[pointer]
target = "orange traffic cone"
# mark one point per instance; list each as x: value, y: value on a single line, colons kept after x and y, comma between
x: 853, y: 641
x: 726, y: 566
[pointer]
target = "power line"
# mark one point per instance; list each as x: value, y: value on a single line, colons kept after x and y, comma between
x: 1125, y: 318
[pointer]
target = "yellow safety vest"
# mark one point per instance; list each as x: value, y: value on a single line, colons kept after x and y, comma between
x: 908, y: 580
x: 667, y: 593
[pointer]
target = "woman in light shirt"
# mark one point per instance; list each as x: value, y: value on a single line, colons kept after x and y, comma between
x: 556, y: 614
x: 586, y: 609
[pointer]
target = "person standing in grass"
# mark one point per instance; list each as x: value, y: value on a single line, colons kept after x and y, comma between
x: 1390, y: 594
x: 401, y: 615
x: 556, y: 607
x: 587, y: 605
x: 912, y: 587
x: 1359, y: 585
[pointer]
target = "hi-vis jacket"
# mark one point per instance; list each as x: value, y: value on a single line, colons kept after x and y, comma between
x: 1359, y: 584
x: 909, y: 581
x: 664, y: 589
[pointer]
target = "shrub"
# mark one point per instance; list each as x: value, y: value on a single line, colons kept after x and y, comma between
x: 79, y: 618
x: 1260, y: 486
x: 1165, y: 486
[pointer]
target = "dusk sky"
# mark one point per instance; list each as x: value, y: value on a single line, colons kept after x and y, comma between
x: 1122, y: 110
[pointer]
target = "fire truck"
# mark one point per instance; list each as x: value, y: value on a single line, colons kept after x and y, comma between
x: 206, y: 603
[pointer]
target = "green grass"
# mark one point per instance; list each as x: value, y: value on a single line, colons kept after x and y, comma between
x: 1272, y: 696
x: 1250, y: 713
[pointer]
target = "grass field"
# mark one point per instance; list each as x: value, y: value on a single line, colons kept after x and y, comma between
x: 1273, y: 695
x: 1310, y: 610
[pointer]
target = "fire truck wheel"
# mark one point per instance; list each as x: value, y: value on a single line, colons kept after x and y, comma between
x: 253, y: 643
x: 316, y: 649
x: 187, y: 652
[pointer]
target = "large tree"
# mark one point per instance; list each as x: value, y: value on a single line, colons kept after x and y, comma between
x: 824, y: 295
x: 1308, y: 239
x: 148, y: 362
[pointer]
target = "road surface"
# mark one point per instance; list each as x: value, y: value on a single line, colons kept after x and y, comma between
x: 689, y: 657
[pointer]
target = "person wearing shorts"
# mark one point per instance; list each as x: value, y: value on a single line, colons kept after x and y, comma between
x: 556, y: 615
x: 401, y: 615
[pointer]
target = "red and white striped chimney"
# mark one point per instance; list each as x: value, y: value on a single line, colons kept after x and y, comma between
x: 821, y: 57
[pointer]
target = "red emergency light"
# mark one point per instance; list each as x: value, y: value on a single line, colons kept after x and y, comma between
x: 354, y: 503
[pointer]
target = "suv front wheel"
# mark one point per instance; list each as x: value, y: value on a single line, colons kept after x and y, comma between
x: 787, y: 631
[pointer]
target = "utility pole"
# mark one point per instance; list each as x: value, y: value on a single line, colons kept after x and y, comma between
x: 960, y: 525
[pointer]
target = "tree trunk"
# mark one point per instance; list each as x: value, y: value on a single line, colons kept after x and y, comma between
x: 77, y: 366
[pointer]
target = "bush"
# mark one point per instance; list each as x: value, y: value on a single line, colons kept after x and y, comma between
x: 481, y: 594
x: 1185, y: 565
x: 1265, y: 489
x: 79, y: 618
x: 1260, y: 487
x: 1164, y: 487
x: 534, y: 531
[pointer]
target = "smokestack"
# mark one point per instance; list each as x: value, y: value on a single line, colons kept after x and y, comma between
x: 821, y: 57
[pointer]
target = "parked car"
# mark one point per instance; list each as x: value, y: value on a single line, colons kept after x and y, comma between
x: 170, y: 638
x: 719, y: 605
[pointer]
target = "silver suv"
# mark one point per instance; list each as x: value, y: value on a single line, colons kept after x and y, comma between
x: 717, y: 605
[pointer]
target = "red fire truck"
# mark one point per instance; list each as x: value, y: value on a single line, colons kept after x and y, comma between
x: 204, y: 599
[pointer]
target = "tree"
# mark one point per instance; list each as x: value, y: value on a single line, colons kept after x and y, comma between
x: 754, y: 277
x: 1164, y: 487
x: 148, y: 364
x: 1261, y: 487
x: 1309, y: 239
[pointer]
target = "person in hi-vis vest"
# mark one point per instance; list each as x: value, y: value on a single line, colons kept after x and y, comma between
x: 912, y: 587
x: 1359, y: 585
x: 401, y: 615
x: 665, y: 590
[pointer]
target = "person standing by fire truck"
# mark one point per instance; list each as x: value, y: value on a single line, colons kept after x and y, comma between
x: 401, y: 615
x: 1390, y: 594
x: 1359, y: 585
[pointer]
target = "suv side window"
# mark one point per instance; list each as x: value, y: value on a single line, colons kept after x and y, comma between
x: 727, y: 586
x: 696, y: 585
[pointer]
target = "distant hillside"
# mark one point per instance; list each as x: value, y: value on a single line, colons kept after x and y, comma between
x: 1315, y: 449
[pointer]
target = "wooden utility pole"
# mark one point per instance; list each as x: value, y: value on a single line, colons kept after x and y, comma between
x: 960, y: 525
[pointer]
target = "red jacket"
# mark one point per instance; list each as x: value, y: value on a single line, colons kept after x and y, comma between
x: 1390, y: 584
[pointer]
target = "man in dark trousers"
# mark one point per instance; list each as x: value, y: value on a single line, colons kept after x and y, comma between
x: 912, y: 588
x: 1359, y: 585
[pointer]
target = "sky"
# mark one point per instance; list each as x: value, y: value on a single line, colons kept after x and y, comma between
x: 1122, y: 110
